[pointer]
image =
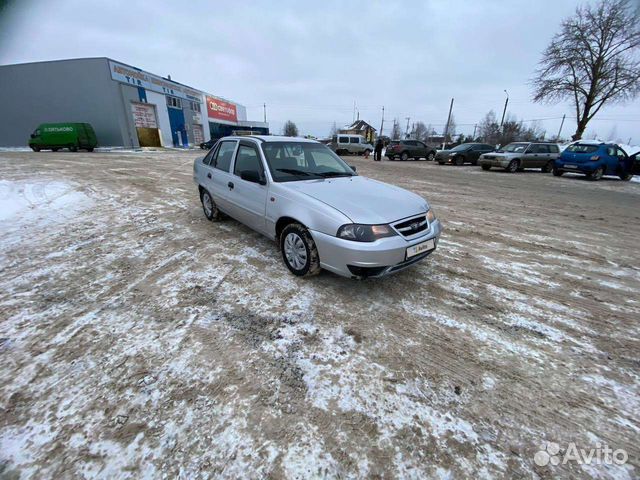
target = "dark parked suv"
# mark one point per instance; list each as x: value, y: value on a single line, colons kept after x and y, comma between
x: 406, y: 149
x: 463, y: 153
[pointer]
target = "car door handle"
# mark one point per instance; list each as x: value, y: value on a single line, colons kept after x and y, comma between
x: 230, y: 185
x: 208, y: 175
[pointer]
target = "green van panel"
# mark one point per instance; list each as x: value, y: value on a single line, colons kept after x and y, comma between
x: 54, y: 136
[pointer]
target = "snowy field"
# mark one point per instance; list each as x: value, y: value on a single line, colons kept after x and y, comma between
x: 138, y: 340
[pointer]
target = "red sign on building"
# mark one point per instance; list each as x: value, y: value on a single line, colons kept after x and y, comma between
x: 221, y: 110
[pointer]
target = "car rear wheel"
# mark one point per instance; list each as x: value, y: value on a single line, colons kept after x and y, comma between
x: 209, y: 207
x: 596, y: 174
x: 513, y: 166
x: 557, y: 172
x: 404, y: 157
x: 431, y: 156
x: 299, y: 251
x: 459, y: 160
x: 486, y: 167
x: 548, y: 166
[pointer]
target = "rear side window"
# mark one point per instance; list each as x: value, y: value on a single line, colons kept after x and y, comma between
x: 543, y: 149
x: 582, y: 148
x: 247, y: 159
x: 343, y: 139
x: 354, y: 140
x: 224, y: 155
x: 553, y: 149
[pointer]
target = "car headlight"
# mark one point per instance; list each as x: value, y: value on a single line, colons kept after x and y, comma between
x: 365, y: 233
x: 431, y: 216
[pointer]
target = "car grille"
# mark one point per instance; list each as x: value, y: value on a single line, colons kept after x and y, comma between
x: 412, y: 226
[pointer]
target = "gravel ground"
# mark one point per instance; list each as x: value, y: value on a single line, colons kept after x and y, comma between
x: 138, y: 339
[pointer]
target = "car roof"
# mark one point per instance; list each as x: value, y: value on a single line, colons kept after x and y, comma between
x: 270, y: 138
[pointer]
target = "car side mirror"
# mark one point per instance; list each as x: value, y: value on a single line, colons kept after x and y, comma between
x: 252, y: 176
x: 352, y: 167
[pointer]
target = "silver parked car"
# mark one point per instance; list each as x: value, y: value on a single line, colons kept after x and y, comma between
x: 323, y: 215
x: 519, y: 155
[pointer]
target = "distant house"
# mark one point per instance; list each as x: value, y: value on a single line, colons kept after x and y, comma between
x: 360, y: 127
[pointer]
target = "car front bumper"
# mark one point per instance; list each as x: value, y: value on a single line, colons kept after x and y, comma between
x: 495, y: 162
x: 371, y: 259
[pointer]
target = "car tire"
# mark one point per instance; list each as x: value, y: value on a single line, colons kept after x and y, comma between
x: 404, y: 156
x: 299, y: 251
x: 440, y: 162
x: 557, y: 172
x: 459, y: 160
x: 209, y: 207
x: 513, y: 166
x: 35, y: 149
x: 431, y: 156
x: 596, y: 174
x: 486, y: 167
x: 90, y: 149
x: 73, y: 148
x: 626, y: 177
x: 548, y: 167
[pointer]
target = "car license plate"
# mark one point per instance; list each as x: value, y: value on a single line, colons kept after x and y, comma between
x: 570, y: 166
x: 421, y: 248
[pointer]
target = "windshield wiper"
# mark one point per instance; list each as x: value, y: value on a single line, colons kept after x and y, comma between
x: 293, y: 171
x: 334, y: 174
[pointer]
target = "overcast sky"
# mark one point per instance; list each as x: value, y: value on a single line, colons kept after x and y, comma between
x: 309, y: 61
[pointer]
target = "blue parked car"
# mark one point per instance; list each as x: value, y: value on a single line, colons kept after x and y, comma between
x: 595, y: 160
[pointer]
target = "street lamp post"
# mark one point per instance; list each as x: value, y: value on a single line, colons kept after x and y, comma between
x: 506, y: 102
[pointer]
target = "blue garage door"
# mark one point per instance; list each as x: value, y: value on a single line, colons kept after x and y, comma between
x: 176, y: 121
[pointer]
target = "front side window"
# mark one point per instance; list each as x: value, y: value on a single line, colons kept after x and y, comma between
x: 224, y: 155
x: 461, y: 148
x: 210, y: 155
x: 247, y: 159
x: 295, y: 161
x: 621, y: 153
x: 582, y: 148
x: 354, y: 140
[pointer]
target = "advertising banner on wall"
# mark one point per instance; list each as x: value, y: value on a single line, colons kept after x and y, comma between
x: 139, y: 78
x: 144, y: 115
x: 221, y: 110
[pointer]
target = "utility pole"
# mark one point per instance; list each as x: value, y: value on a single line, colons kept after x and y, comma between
x: 264, y: 106
x: 506, y: 102
x: 381, y: 123
x: 354, y: 111
x: 474, y: 131
x: 406, y: 133
x: 561, y: 125
x: 446, y: 129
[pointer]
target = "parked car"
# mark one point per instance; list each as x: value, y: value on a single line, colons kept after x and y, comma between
x: 322, y: 214
x: 208, y: 144
x: 636, y: 163
x: 54, y: 136
x: 463, y: 153
x: 406, y: 149
x: 344, y: 144
x: 520, y: 155
x: 595, y: 159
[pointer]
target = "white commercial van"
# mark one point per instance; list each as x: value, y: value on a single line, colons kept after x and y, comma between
x: 346, y: 144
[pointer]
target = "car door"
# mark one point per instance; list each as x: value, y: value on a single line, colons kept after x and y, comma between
x: 543, y: 155
x: 248, y: 199
x: 221, y: 179
x: 422, y: 150
x: 622, y: 163
x: 354, y: 145
x: 530, y: 156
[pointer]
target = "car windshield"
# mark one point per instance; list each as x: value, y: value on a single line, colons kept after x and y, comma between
x: 582, y: 148
x: 291, y: 161
x: 515, y: 147
x: 461, y: 148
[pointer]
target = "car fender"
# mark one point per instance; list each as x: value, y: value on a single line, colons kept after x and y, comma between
x: 309, y: 211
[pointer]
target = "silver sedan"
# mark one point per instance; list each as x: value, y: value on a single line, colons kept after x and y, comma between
x: 322, y: 214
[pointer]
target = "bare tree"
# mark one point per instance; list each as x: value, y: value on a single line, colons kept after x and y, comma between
x: 395, y: 131
x: 592, y: 61
x: 489, y: 128
x: 420, y: 132
x: 290, y: 129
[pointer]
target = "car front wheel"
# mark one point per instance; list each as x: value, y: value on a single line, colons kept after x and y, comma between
x: 299, y: 251
x: 486, y: 167
x: 431, y: 156
x: 513, y: 166
x: 459, y: 160
x: 557, y: 172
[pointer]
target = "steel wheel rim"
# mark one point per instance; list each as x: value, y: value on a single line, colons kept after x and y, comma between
x: 295, y: 251
x: 207, y: 203
x: 513, y: 166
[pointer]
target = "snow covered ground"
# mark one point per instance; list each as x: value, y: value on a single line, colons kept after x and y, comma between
x: 138, y: 340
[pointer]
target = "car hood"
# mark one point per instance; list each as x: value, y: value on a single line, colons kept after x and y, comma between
x: 363, y: 199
